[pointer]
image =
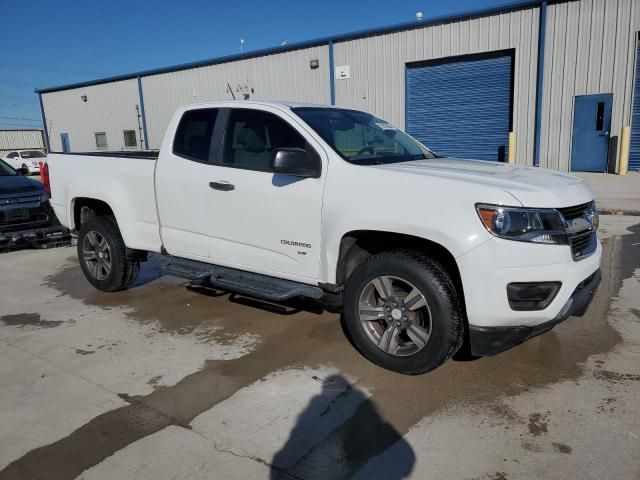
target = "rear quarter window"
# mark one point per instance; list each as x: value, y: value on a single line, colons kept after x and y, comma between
x: 193, y: 136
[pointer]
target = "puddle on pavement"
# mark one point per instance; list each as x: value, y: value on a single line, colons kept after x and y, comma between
x: 307, y: 339
x: 29, y: 319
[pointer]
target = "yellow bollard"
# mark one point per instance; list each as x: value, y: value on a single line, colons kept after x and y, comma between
x: 512, y: 148
x: 625, y: 140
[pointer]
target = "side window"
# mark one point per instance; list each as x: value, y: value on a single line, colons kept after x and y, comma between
x: 12, y: 155
x: 252, y: 138
x: 101, y: 140
x: 193, y: 136
x: 130, y: 138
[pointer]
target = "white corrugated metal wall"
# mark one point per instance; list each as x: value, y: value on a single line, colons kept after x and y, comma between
x: 377, y: 65
x: 110, y: 108
x: 590, y: 48
x: 20, y: 139
x: 282, y: 76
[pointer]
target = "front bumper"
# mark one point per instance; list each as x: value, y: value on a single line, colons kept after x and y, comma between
x: 487, y: 341
x: 46, y: 237
x: 38, y: 228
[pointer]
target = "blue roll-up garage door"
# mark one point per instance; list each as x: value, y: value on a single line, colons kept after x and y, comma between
x: 461, y: 108
x: 634, y: 149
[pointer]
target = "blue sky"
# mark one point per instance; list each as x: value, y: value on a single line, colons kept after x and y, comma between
x: 55, y: 42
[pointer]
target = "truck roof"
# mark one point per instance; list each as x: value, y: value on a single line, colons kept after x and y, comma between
x: 271, y: 103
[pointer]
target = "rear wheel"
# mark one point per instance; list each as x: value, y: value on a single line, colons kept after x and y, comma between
x: 402, y: 312
x: 103, y: 255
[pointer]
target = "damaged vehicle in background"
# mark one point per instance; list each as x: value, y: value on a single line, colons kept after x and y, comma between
x: 26, y: 217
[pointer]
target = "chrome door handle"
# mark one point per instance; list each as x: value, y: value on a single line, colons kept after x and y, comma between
x: 223, y: 186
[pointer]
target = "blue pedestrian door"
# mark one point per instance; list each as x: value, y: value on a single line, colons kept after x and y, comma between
x: 591, y: 129
x: 461, y: 107
x: 64, y: 138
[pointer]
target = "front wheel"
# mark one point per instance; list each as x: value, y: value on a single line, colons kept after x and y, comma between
x: 402, y: 312
x: 103, y: 255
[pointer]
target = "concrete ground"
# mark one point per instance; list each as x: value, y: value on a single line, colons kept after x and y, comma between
x: 168, y: 382
x: 615, y: 192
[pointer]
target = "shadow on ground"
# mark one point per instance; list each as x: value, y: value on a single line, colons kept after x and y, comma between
x: 365, y: 435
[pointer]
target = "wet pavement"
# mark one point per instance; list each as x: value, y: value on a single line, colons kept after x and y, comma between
x: 168, y: 381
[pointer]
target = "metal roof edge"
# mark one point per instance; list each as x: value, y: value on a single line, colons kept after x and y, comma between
x: 506, y: 7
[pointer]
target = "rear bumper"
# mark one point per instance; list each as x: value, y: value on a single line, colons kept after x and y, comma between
x: 487, y: 341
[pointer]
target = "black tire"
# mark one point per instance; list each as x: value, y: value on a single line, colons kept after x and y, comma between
x: 437, y: 288
x: 123, y: 271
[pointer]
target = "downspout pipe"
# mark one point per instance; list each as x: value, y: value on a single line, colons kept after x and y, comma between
x: 144, y: 118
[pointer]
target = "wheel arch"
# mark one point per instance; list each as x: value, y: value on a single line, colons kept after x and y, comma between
x: 93, y: 206
x: 358, y: 245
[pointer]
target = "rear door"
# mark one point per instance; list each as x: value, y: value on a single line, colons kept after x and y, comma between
x: 258, y: 220
x: 181, y: 185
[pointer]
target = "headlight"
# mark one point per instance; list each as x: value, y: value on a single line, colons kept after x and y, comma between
x: 523, y: 224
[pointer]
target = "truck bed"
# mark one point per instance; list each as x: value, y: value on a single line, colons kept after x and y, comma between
x: 122, y: 180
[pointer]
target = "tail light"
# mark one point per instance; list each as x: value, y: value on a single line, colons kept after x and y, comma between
x: 44, y: 176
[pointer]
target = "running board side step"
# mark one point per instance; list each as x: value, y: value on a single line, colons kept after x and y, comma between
x: 239, y: 281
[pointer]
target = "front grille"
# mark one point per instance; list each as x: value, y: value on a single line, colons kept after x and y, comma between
x: 580, y: 230
x: 583, y: 245
x: 33, y: 220
x: 570, y: 213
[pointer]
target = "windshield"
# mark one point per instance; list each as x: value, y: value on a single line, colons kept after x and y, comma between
x: 361, y: 138
x: 32, y: 154
x: 6, y: 170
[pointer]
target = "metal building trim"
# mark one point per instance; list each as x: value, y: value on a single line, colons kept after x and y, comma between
x: 44, y: 123
x: 542, y: 32
x: 332, y: 76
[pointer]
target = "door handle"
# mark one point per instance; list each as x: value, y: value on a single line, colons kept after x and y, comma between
x: 223, y: 186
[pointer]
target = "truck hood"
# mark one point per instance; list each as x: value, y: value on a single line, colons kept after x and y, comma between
x: 18, y: 185
x: 531, y: 186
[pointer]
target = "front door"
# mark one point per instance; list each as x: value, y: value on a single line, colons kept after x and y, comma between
x: 64, y: 139
x: 591, y: 128
x: 258, y: 220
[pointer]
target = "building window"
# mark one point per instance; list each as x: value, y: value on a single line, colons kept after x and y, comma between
x: 130, y: 138
x: 101, y: 140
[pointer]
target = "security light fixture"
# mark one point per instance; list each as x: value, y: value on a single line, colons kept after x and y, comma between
x: 84, y: 98
x: 314, y: 64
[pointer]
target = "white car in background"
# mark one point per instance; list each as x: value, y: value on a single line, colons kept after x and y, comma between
x: 29, y: 159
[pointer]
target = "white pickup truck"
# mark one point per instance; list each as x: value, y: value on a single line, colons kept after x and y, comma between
x: 420, y: 252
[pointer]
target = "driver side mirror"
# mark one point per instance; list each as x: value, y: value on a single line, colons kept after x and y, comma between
x: 297, y: 162
x: 23, y: 171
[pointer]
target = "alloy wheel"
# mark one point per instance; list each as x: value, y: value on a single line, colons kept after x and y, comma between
x: 395, y: 315
x: 96, y: 255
